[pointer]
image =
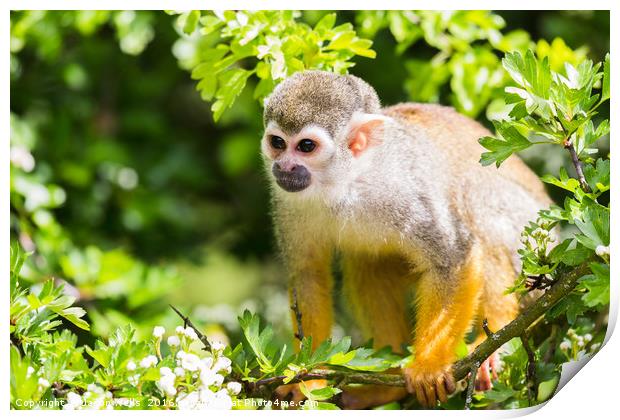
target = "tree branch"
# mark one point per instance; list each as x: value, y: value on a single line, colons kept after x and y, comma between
x: 295, y: 308
x: 471, y: 385
x: 568, y: 144
x: 187, y: 323
x: 565, y: 284
x: 530, y: 373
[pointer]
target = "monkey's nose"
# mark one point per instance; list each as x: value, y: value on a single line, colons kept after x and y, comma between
x: 288, y: 167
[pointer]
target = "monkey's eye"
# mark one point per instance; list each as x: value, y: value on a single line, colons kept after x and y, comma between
x: 277, y: 142
x: 306, y: 146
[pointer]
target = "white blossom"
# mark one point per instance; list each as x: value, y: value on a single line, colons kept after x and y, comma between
x: 131, y: 365
x: 217, y: 346
x: 209, y: 377
x: 74, y: 401
x: 602, y: 251
x: 173, y: 341
x: 148, y: 361
x: 166, y: 381
x: 190, y: 333
x: 22, y: 158
x: 189, y: 361
x: 242, y: 18
x: 92, y: 388
x: 158, y: 331
x: 207, y: 362
x: 222, y: 364
x: 179, y: 371
x: 587, y: 338
x: 188, y: 401
x: 565, y: 345
x: 249, y: 35
x: 29, y: 371
x: 180, y: 330
x: 233, y: 387
x: 44, y: 383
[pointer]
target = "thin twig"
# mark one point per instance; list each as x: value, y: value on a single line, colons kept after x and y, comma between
x: 568, y: 144
x: 471, y: 385
x: 485, y: 327
x: 188, y: 323
x: 530, y: 373
x: 552, y: 344
x: 295, y: 308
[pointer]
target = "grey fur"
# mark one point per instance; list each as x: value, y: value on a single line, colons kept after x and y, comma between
x: 325, y: 99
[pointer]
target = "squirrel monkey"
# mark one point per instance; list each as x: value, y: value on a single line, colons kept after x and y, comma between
x: 399, y: 195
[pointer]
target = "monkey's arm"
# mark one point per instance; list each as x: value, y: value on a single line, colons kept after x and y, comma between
x: 307, y: 257
x: 308, y: 262
x: 310, y: 294
x: 445, y: 308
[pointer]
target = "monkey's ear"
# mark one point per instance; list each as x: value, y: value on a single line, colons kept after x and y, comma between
x: 361, y: 130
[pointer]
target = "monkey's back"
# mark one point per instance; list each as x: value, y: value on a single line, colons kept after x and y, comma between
x: 457, y: 136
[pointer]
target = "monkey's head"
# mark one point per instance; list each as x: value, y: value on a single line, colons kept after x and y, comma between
x: 316, y: 124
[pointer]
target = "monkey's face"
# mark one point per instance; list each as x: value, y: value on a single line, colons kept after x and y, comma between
x: 298, y: 161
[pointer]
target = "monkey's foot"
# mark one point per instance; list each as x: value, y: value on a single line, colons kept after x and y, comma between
x: 487, y: 372
x: 290, y: 394
x: 429, y: 385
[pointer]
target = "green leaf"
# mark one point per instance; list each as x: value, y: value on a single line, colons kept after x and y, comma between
x: 594, y: 226
x: 572, y: 306
x: 605, y: 94
x: 191, y: 21
x: 500, y: 150
x: 326, y: 23
x: 259, y: 341
x: 101, y: 354
x: 565, y: 182
x: 62, y: 306
x: 500, y: 393
x: 324, y: 393
x: 547, y: 388
x: 598, y: 175
x: 23, y: 383
x: 232, y: 82
x: 597, y: 285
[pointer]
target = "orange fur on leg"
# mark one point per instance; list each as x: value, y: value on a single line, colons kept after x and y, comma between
x: 376, y: 288
x: 445, y: 309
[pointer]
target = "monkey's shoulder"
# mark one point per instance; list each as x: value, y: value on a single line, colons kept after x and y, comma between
x: 436, y: 119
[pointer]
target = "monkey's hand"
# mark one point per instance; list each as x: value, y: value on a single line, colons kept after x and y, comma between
x: 291, y: 393
x: 429, y: 385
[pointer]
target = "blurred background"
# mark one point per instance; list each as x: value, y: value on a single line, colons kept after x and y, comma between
x: 127, y: 191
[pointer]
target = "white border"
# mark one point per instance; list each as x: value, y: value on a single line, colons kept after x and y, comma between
x: 590, y: 394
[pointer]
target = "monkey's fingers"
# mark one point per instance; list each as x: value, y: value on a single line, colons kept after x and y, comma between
x: 483, y: 378
x: 429, y: 387
x: 288, y: 393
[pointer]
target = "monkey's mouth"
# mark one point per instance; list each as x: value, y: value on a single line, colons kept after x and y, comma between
x: 295, y: 179
x: 293, y: 183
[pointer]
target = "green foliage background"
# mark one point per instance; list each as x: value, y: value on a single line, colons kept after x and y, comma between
x: 136, y: 178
